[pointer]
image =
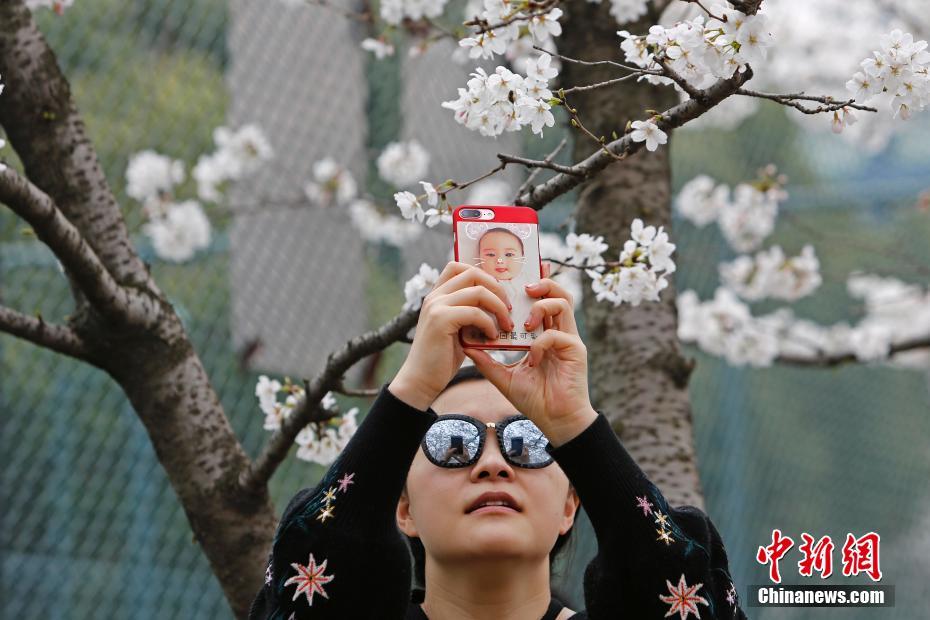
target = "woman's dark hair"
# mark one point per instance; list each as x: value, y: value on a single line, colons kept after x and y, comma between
x: 561, y: 546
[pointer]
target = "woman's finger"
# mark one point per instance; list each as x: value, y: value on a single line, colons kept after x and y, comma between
x: 558, y: 310
x: 549, y: 288
x: 452, y: 268
x: 471, y: 276
x: 546, y: 269
x: 462, y: 316
x: 495, y: 372
x: 554, y: 340
x: 480, y: 296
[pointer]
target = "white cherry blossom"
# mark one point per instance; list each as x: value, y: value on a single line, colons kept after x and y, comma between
x: 417, y: 287
x: 648, y: 132
x: 403, y: 163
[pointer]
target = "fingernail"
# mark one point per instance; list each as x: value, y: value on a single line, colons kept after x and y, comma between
x: 526, y: 324
x: 530, y: 285
x: 509, y: 306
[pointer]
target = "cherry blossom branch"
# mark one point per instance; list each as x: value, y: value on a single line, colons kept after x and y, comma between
x: 828, y: 361
x: 579, y: 89
x: 533, y: 163
x: 537, y: 197
x: 693, y: 92
x: 575, y: 121
x: 455, y: 185
x: 791, y: 100
x: 34, y: 329
x: 535, y: 170
x: 92, y: 277
x: 539, y: 9
x: 721, y: 18
x: 595, y: 63
x: 328, y: 379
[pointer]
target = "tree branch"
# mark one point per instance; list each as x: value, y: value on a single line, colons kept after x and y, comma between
x: 328, y: 379
x: 534, y: 163
x: 55, y: 230
x: 535, y: 171
x: 828, y: 361
x: 792, y: 99
x: 33, y: 329
x: 676, y: 116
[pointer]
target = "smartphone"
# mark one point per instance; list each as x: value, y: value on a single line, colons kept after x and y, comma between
x: 504, y: 242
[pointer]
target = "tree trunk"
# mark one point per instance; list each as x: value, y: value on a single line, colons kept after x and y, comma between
x: 639, y: 377
x: 156, y: 366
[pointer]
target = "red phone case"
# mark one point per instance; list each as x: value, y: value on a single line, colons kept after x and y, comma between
x: 519, y: 339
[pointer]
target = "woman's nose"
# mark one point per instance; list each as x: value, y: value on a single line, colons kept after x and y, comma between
x: 492, y: 463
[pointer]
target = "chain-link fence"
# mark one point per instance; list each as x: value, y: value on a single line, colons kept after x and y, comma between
x: 91, y: 527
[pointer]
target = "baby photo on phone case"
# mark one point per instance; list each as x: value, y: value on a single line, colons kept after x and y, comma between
x: 509, y: 252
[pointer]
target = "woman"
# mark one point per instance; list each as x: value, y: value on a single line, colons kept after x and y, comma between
x: 488, y: 523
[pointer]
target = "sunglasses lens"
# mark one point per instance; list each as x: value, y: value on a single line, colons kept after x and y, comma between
x: 526, y: 444
x: 452, y: 442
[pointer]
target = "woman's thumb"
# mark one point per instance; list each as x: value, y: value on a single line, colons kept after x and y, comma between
x: 494, y: 371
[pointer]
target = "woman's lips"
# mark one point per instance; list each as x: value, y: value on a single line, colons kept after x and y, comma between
x: 501, y: 269
x: 490, y: 509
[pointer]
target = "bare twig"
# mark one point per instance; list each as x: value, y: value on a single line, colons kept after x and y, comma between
x: 535, y: 171
x: 51, y: 226
x: 35, y: 330
x: 328, y: 379
x: 534, y: 163
x: 721, y: 18
x: 850, y: 358
x: 594, y: 63
x: 579, y: 89
x: 455, y: 185
x: 792, y: 100
x: 576, y: 122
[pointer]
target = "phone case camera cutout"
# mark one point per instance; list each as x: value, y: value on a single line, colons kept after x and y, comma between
x: 502, y: 241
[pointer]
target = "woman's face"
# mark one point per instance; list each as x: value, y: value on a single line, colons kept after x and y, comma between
x: 500, y: 254
x: 435, y: 506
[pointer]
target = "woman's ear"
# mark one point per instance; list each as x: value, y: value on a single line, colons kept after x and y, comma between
x: 572, y: 502
x: 404, y: 518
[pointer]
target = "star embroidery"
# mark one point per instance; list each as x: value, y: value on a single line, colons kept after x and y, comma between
x: 683, y: 599
x: 664, y: 536
x: 661, y: 519
x: 731, y: 594
x: 325, y: 513
x: 644, y: 503
x: 345, y: 481
x: 309, y: 579
x: 330, y: 495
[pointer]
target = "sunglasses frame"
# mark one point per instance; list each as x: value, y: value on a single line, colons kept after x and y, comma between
x: 482, y: 438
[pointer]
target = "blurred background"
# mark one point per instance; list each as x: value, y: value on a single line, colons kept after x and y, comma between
x: 90, y: 525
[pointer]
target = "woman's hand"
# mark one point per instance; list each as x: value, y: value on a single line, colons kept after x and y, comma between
x: 459, y: 298
x: 550, y: 384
